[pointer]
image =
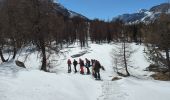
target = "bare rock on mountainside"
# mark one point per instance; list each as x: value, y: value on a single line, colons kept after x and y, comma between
x: 79, y: 54
x: 20, y: 64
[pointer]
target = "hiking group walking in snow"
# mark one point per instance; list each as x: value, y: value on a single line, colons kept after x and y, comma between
x: 95, y: 64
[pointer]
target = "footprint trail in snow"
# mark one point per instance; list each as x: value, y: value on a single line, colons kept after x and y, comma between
x: 111, y: 90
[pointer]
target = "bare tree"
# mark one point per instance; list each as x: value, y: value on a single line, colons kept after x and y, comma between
x: 121, y: 56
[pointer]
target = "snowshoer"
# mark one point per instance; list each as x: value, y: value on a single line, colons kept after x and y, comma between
x: 75, y: 64
x: 88, y: 65
x: 81, y: 62
x: 93, y: 65
x: 97, y: 67
x: 69, y: 65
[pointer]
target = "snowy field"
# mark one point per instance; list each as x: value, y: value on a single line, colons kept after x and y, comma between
x: 32, y: 84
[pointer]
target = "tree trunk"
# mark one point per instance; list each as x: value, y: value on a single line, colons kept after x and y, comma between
x: 140, y: 41
x: 2, y: 57
x: 14, y: 52
x: 167, y: 59
x: 124, y: 55
x: 43, y: 67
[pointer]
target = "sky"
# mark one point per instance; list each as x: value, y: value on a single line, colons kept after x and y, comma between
x: 107, y: 9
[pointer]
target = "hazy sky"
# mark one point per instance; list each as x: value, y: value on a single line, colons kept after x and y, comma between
x: 107, y: 9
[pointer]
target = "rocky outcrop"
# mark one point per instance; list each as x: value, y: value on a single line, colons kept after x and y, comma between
x: 20, y: 64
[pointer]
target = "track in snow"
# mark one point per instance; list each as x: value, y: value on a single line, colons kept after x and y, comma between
x: 111, y: 90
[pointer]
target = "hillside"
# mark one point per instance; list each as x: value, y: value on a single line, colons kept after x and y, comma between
x: 66, y: 12
x: 32, y: 84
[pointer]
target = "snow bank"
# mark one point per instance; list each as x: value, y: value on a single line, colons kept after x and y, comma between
x: 35, y: 84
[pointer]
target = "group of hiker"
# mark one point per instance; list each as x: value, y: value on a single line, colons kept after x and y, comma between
x: 95, y: 64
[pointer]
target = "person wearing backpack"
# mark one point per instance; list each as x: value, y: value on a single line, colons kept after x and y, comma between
x: 88, y: 65
x: 69, y: 65
x: 81, y: 62
x: 75, y: 64
x: 97, y: 70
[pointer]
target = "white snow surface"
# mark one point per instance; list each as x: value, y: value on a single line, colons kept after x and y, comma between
x: 32, y: 84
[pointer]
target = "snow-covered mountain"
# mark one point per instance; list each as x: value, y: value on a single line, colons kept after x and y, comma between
x: 60, y: 9
x: 144, y: 15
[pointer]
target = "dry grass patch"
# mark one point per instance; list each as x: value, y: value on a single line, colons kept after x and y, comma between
x: 116, y: 78
x: 161, y: 76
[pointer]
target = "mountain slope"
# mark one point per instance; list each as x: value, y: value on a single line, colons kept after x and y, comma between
x: 160, y: 8
x: 67, y: 13
x: 144, y: 15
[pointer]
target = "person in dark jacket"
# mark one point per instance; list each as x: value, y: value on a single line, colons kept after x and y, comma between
x: 75, y: 64
x: 69, y: 65
x: 88, y: 65
x: 97, y: 67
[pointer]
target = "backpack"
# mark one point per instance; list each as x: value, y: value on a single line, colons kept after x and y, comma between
x: 75, y: 63
x: 88, y: 63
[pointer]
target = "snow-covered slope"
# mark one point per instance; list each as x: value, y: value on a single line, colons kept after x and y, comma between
x: 32, y: 84
x: 144, y: 15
